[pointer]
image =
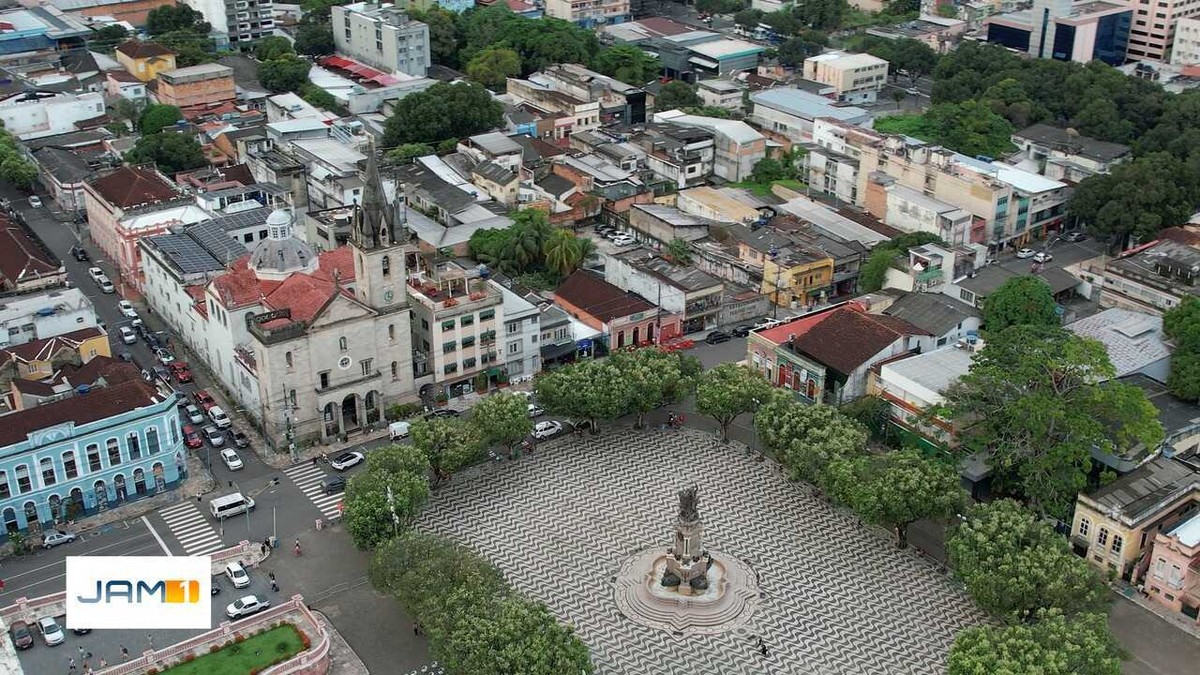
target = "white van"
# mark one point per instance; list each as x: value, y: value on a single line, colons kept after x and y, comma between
x: 398, y: 429
x: 230, y: 505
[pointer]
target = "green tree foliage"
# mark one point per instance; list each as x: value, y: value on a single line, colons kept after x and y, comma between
x: 18, y: 171
x: 530, y: 245
x: 654, y: 377
x: 445, y: 34
x: 676, y: 94
x: 1184, y: 378
x: 314, y: 39
x: 408, y: 151
x: 1182, y: 324
x: 493, y: 66
x: 447, y: 444
x: 971, y: 128
x: 720, y: 6
x: 628, y: 63
x: 191, y: 47
x: 727, y: 391
x: 397, y: 458
x: 821, y: 15
x: 807, y: 439
x: 1166, y: 194
x: 286, y: 73
x: 170, y: 152
x: 517, y: 636
x: 793, y: 51
x: 367, y: 512
x: 502, y: 419
x: 1052, y: 645
x: 1037, y: 400
x: 1014, y: 565
x: 157, y: 117
x: 591, y: 390
x: 564, y: 252
x: 914, y: 57
x: 1021, y: 301
x: 679, y: 251
x: 874, y: 270
x: 748, y: 18
x: 767, y: 170
x: 106, y: 39
x: 170, y: 18
x: 319, y: 97
x: 897, y: 489
x: 272, y: 47
x: 443, y: 111
x: 540, y: 42
x: 874, y: 413
x: 783, y: 22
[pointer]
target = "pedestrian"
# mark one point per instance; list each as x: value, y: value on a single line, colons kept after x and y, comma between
x: 314, y: 461
x: 263, y: 549
x: 416, y: 630
x: 103, y: 663
x: 80, y: 648
x: 124, y: 653
x: 762, y: 649
x: 71, y: 664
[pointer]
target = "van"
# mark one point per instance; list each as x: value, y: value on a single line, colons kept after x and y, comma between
x: 230, y: 505
x: 398, y: 429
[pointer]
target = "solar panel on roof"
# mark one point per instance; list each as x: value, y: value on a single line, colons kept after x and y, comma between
x: 216, y: 242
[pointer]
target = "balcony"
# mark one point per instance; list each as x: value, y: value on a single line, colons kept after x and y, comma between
x: 453, y: 294
x: 347, y: 383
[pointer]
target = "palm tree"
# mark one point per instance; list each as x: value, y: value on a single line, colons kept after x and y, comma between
x: 560, y: 252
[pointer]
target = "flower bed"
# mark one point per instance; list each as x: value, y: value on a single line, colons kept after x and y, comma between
x: 246, y: 655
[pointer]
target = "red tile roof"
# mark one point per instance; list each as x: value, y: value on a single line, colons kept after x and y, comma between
x: 136, y: 49
x: 20, y: 256
x: 592, y: 294
x: 304, y: 294
x: 842, y: 338
x: 98, y: 404
x: 340, y: 259
x: 129, y: 186
x: 45, y: 349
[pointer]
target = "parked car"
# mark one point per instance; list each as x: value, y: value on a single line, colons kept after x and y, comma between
x: 741, y: 330
x: 239, y: 439
x: 161, y: 373
x: 35, y: 201
x: 237, y: 575
x: 398, y: 430
x: 717, y: 337
x: 203, y: 399
x: 1075, y: 235
x: 52, y: 539
x: 21, y: 637
x: 231, y: 459
x: 623, y: 240
x: 193, y: 414
x: 219, y: 417
x: 332, y: 484
x: 245, y: 606
x: 1042, y: 257
x: 106, y: 286
x: 80, y: 254
x: 180, y: 371
x: 547, y: 429
x: 214, y: 436
x: 96, y: 274
x: 127, y: 309
x: 346, y: 460
x: 81, y: 631
x: 535, y: 410
x: 51, y: 632
x: 1025, y: 253
x: 127, y: 335
x: 191, y: 437
x: 164, y: 357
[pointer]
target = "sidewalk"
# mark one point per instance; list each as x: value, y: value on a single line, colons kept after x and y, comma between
x: 1124, y: 590
x: 343, y: 660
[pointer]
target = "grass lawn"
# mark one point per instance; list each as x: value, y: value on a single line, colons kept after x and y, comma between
x: 907, y: 125
x: 252, y: 654
x: 764, y: 189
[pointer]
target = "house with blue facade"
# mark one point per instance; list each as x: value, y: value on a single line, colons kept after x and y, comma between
x: 97, y: 448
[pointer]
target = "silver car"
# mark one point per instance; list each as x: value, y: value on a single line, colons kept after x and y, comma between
x: 52, y: 539
x: 246, y: 606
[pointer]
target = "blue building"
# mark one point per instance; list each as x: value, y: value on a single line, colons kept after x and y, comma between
x: 99, y: 448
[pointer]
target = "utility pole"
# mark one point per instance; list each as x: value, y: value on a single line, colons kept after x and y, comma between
x: 774, y: 255
x: 392, y: 507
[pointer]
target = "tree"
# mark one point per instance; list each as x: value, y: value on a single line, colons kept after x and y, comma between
x: 367, y: 511
x: 748, y: 18
x: 676, y: 94
x: 897, y: 489
x: 447, y: 444
x: 629, y: 64
x: 286, y: 73
x: 767, y: 170
x: 795, y: 50
x: 654, y: 378
x: 156, y: 117
x: 191, y: 47
x: 874, y: 270
x: 1020, y: 301
x: 591, y: 390
x: 727, y: 391
x: 1053, y: 645
x: 1167, y: 194
x: 168, y: 151
x: 17, y: 170
x: 971, y: 128
x: 170, y: 18
x: 546, y: 41
x: 913, y: 57
x: 1014, y: 565
x: 807, y: 439
x: 1182, y: 324
x: 515, y: 636
x: 719, y: 6
x: 783, y: 22
x: 821, y: 15
x: 319, y: 97
x: 565, y: 252
x: 502, y: 419
x: 445, y: 34
x: 493, y: 66
x: 107, y: 38
x: 398, y: 459
x: 315, y: 39
x: 1037, y: 400
x: 408, y: 151
x: 443, y: 111
x: 272, y: 47
x: 679, y: 251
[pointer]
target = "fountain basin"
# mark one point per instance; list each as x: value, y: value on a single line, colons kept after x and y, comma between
x: 728, y: 603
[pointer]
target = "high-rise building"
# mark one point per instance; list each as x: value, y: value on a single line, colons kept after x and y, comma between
x: 382, y: 36
x: 1155, y: 25
x: 1185, y: 50
x: 1059, y: 29
x: 241, y: 20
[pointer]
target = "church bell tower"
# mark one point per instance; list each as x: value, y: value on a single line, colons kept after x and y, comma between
x: 378, y: 257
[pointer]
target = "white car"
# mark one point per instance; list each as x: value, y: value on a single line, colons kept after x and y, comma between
x: 51, y: 631
x: 535, y: 410
x: 193, y: 414
x: 106, y: 286
x: 1042, y: 257
x: 237, y: 575
x: 231, y: 459
x: 346, y: 460
x: 1025, y: 253
x: 623, y: 240
x: 547, y: 429
x: 96, y: 274
x: 127, y: 335
x: 35, y: 201
x: 52, y: 539
x: 219, y: 417
x: 246, y: 606
x: 127, y: 309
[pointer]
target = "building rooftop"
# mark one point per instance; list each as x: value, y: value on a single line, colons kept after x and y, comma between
x: 724, y: 86
x: 1133, y: 340
x: 129, y: 187
x: 686, y: 278
x: 735, y: 130
x: 495, y: 143
x: 727, y: 48
x: 1187, y: 532
x: 184, y: 253
x: 673, y: 216
x: 1180, y: 419
x: 935, y: 370
x: 21, y: 256
x: 592, y: 294
x: 1072, y: 143
x: 806, y: 105
x: 204, y: 71
x: 137, y: 49
x: 932, y: 312
x: 1164, y: 264
x: 832, y: 222
x: 81, y: 409
x: 840, y: 337
x: 1141, y: 493
x: 847, y: 60
x: 20, y: 306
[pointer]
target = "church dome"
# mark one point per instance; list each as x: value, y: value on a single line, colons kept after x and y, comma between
x: 281, y: 254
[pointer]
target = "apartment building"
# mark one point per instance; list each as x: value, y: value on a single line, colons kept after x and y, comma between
x: 910, y: 210
x: 832, y: 161
x: 241, y: 20
x: 1090, y: 30
x: 1185, y: 50
x: 144, y: 60
x: 1155, y: 25
x: 1152, y: 278
x: 720, y: 94
x: 855, y: 78
x: 383, y: 36
x: 792, y: 112
x: 1062, y: 154
x: 618, y: 101
x: 196, y: 85
x: 571, y: 113
x: 678, y: 289
x: 589, y: 13
x: 738, y: 145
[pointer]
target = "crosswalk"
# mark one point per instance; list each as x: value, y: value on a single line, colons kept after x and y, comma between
x: 193, y: 531
x: 308, y: 477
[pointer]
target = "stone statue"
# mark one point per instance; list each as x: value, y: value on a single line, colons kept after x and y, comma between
x: 687, y: 565
x: 687, y: 504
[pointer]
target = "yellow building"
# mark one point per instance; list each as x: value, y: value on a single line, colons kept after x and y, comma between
x: 145, y: 60
x: 796, y: 279
x: 40, y: 359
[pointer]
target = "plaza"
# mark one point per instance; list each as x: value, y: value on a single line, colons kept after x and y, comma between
x: 835, y: 598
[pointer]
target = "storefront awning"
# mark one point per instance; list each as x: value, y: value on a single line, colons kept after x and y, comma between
x: 336, y: 62
x: 558, y: 351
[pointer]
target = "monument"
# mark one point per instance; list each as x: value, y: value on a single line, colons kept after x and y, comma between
x: 687, y: 589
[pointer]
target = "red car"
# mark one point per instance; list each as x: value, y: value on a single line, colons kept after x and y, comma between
x: 180, y: 371
x: 191, y: 437
x: 204, y: 399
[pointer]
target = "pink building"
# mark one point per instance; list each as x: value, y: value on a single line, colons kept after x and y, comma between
x: 1173, y: 579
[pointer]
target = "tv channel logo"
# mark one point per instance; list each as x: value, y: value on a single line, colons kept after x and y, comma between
x: 139, y: 592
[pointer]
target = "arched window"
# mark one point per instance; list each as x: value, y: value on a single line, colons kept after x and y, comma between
x: 46, y: 466
x: 392, y: 332
x: 152, y: 445
x: 342, y: 345
x: 395, y: 369
x: 24, y: 483
x: 93, y: 457
x: 70, y: 467
x: 287, y: 357
x: 114, y: 451
x: 5, y: 490
x: 134, y: 443
x: 386, y: 266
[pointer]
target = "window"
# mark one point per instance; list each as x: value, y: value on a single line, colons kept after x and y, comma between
x: 5, y: 490
x: 487, y: 315
x: 287, y: 358
x: 324, y: 379
x: 395, y: 370
x: 262, y: 234
x: 248, y: 238
x: 24, y: 484
x: 450, y: 368
x: 1085, y: 526
x: 46, y: 465
x: 342, y: 344
x: 514, y: 347
x: 93, y: 457
x: 135, y: 446
x: 514, y: 327
x: 392, y: 332
x: 1102, y: 537
x: 448, y: 325
x: 1117, y: 544
x: 366, y: 366
x: 467, y: 320
x: 114, y: 451
x: 152, y: 445
x: 450, y: 346
x: 69, y: 466
x: 469, y: 363
x: 292, y: 398
x: 468, y: 341
x: 424, y: 324
x: 385, y: 266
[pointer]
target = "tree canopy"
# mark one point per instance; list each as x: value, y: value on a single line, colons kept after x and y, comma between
x: 807, y: 439
x: 729, y: 390
x: 970, y: 127
x: 272, y: 47
x: 628, y: 63
x: 441, y: 112
x: 371, y: 517
x: 1182, y: 324
x: 874, y: 270
x: 1038, y: 400
x: 1053, y: 645
x: 493, y: 66
x: 676, y: 94
x: 1166, y: 194
x: 170, y: 152
x: 157, y: 116
x: 314, y: 39
x: 502, y: 419
x: 655, y: 378
x: 447, y: 444
x: 1020, y: 301
x: 287, y: 72
x: 169, y: 18
x: 593, y: 390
